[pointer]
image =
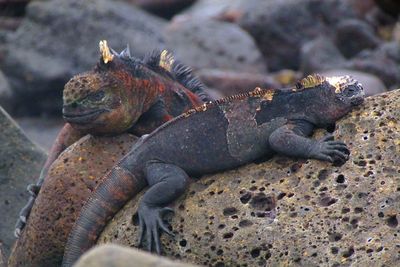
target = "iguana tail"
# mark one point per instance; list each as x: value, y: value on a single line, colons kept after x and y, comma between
x: 118, y: 186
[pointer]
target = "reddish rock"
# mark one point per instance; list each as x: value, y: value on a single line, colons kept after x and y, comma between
x: 72, y: 178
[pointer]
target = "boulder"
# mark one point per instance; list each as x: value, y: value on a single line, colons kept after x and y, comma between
x: 72, y: 177
x: 294, y: 212
x: 20, y: 165
x: 162, y: 8
x: 230, y: 48
x: 231, y: 82
x: 371, y: 83
x: 353, y: 36
x: 58, y: 39
x: 280, y: 28
x: 320, y: 54
x: 119, y: 256
x: 5, y: 92
x: 383, y: 62
x: 209, y: 9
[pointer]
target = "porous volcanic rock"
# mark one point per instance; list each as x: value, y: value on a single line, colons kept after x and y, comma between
x: 294, y: 212
x: 20, y: 165
x: 58, y: 39
x: 214, y: 44
x: 119, y: 256
x: 72, y: 177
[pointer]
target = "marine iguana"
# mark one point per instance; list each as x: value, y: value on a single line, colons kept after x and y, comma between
x: 216, y: 136
x: 121, y: 94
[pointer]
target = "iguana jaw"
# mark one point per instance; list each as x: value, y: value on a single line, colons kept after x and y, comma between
x: 82, y: 118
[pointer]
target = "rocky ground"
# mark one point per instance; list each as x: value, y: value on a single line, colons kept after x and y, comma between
x: 233, y: 46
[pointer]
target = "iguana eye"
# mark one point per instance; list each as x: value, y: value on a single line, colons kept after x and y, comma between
x: 97, y: 96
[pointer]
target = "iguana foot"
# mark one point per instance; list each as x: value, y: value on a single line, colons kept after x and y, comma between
x: 327, y: 149
x: 33, y: 190
x: 150, y: 220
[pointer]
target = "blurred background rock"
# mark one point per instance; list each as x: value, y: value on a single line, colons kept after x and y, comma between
x: 233, y: 45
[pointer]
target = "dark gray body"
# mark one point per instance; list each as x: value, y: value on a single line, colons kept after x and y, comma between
x: 234, y: 139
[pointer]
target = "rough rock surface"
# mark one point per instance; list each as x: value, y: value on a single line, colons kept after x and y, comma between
x: 72, y: 178
x: 5, y: 92
x: 231, y: 82
x: 214, y: 44
x: 281, y: 27
x: 58, y: 39
x: 295, y: 213
x: 20, y: 164
x: 118, y: 256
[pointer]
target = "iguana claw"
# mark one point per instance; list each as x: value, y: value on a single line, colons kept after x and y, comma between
x: 150, y: 221
x: 33, y: 190
x: 327, y: 149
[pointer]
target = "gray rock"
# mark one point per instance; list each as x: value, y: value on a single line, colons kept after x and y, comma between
x: 372, y: 84
x: 5, y: 92
x: 119, y: 256
x: 320, y: 54
x: 353, y: 36
x: 206, y: 9
x: 280, y: 28
x: 231, y: 82
x: 383, y: 62
x: 213, y: 44
x: 162, y: 8
x: 20, y: 165
x: 58, y: 39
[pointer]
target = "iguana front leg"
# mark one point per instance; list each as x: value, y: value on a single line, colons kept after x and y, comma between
x: 167, y: 182
x: 291, y: 140
x: 65, y: 138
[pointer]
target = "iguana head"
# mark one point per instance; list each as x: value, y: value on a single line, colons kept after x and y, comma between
x: 330, y: 98
x: 110, y: 98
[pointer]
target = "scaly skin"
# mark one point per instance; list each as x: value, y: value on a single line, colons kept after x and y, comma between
x: 216, y: 136
x: 121, y: 94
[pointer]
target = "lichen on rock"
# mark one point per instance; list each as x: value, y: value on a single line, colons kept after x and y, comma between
x: 294, y: 212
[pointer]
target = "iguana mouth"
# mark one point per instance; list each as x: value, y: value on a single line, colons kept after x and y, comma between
x: 82, y: 118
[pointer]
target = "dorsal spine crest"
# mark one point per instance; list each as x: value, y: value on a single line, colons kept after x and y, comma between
x: 166, y: 60
x: 105, y: 52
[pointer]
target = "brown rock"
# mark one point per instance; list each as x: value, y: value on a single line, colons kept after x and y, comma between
x: 295, y: 213
x: 72, y: 178
x: 231, y: 82
x: 119, y: 256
